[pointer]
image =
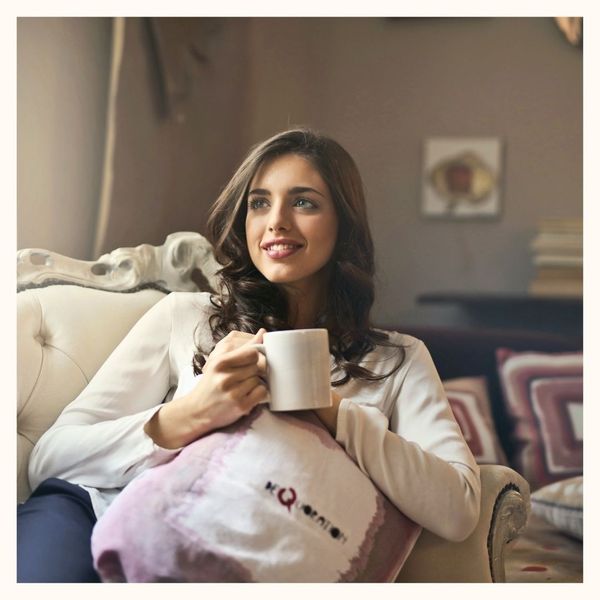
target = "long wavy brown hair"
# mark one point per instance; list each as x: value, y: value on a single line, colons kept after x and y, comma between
x: 247, y: 301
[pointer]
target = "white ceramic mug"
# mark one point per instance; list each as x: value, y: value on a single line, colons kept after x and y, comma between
x: 298, y: 368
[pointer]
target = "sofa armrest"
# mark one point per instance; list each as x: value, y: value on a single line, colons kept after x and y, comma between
x: 479, y: 558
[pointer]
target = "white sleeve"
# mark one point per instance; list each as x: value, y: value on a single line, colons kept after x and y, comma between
x: 99, y: 440
x: 423, y: 465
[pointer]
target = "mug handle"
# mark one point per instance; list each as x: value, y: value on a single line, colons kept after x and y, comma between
x: 261, y: 348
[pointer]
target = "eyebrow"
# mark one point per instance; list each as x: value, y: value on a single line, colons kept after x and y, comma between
x: 294, y: 190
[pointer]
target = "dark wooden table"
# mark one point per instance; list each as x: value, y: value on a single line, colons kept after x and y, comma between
x: 556, y: 314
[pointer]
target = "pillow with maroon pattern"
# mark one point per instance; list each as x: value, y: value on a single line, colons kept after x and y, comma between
x: 470, y: 403
x: 543, y: 395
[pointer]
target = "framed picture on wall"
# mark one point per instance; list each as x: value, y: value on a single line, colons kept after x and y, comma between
x: 461, y: 177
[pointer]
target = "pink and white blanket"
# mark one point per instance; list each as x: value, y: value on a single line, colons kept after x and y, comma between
x: 271, y: 498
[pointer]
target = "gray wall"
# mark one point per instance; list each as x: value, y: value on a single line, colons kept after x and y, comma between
x: 380, y: 86
x: 62, y: 81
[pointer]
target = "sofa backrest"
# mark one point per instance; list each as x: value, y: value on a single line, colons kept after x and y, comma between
x: 64, y: 334
x: 72, y: 313
x: 459, y: 352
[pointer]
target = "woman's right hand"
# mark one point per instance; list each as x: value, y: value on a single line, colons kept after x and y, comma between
x: 231, y: 385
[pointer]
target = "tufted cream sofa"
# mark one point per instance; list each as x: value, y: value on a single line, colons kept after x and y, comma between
x: 64, y: 335
x: 71, y: 314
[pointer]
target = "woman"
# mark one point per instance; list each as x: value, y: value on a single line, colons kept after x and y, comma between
x: 291, y: 232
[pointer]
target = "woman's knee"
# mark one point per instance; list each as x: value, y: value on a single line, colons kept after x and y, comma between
x: 54, y: 528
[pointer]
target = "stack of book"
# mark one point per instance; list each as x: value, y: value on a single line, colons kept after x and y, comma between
x: 558, y: 258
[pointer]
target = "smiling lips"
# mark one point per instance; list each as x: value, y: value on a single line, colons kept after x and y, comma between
x: 281, y: 248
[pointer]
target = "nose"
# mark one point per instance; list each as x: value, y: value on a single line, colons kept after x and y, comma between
x: 279, y: 219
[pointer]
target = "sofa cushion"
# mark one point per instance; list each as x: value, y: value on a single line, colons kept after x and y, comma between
x: 543, y: 394
x: 271, y: 498
x: 561, y: 504
x: 469, y: 400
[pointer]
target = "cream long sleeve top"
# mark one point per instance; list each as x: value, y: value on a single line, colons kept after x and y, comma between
x: 400, y: 431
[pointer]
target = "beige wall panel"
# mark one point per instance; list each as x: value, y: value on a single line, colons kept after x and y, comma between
x: 62, y: 83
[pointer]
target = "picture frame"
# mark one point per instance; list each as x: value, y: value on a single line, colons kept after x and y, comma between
x: 461, y: 177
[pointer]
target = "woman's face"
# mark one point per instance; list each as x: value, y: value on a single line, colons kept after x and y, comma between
x: 291, y: 223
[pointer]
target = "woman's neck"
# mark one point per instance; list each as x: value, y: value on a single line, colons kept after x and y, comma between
x: 304, y: 308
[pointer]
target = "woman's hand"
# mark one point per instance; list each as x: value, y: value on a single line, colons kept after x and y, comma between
x: 229, y: 388
x: 329, y: 415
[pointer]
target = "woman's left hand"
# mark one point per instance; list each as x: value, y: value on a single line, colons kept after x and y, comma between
x: 329, y: 414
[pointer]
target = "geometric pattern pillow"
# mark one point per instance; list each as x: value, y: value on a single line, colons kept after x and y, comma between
x: 543, y: 395
x: 561, y: 504
x: 469, y: 400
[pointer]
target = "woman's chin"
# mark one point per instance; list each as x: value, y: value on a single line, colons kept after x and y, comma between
x: 282, y: 280
x: 291, y: 279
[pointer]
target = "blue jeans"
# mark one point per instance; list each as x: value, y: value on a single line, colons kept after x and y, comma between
x: 54, y: 528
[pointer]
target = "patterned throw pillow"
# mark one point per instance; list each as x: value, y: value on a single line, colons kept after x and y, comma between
x: 561, y: 504
x: 469, y: 400
x: 271, y: 498
x: 543, y: 394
